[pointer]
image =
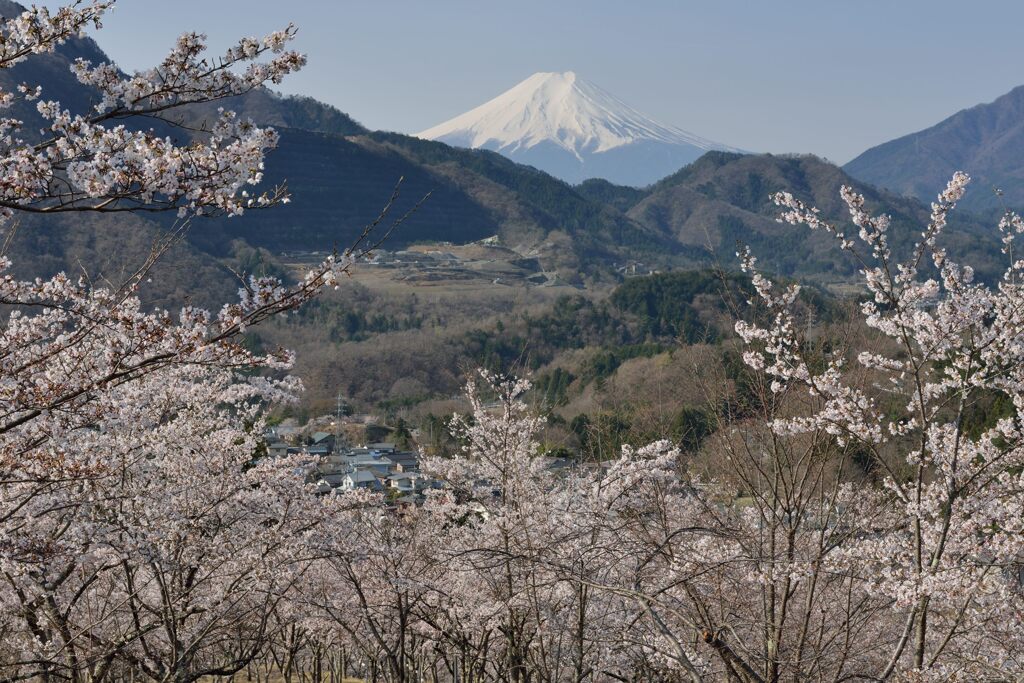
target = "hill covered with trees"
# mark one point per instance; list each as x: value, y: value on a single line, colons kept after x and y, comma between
x: 985, y: 141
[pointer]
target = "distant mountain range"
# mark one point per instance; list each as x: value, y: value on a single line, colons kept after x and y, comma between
x: 986, y: 141
x: 574, y: 130
x: 341, y: 174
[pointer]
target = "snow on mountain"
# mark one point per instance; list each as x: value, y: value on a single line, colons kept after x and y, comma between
x: 573, y: 129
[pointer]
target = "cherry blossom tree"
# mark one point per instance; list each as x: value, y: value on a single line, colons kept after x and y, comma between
x: 136, y: 536
x: 524, y: 592
x: 945, y: 549
x: 383, y: 589
x: 98, y: 161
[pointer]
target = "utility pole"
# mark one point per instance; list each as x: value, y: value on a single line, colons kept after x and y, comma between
x: 337, y: 418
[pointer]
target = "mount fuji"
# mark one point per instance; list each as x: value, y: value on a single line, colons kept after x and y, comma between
x: 574, y: 130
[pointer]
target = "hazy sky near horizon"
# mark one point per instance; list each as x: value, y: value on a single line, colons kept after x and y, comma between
x: 831, y: 78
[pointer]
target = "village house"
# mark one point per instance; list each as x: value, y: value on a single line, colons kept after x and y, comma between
x: 405, y: 482
x: 361, y: 480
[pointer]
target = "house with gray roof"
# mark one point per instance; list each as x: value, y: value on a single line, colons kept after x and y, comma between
x: 361, y: 480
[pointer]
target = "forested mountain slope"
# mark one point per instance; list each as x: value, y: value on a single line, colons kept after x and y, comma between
x: 722, y: 199
x: 986, y: 141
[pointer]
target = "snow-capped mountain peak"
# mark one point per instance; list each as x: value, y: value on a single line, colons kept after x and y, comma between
x: 551, y: 115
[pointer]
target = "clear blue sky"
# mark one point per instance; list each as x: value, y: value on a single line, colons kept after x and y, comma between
x: 821, y: 76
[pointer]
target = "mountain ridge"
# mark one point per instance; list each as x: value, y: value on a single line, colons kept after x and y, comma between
x: 985, y: 140
x: 724, y: 198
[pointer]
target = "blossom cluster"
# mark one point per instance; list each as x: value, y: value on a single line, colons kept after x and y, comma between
x: 110, y: 159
